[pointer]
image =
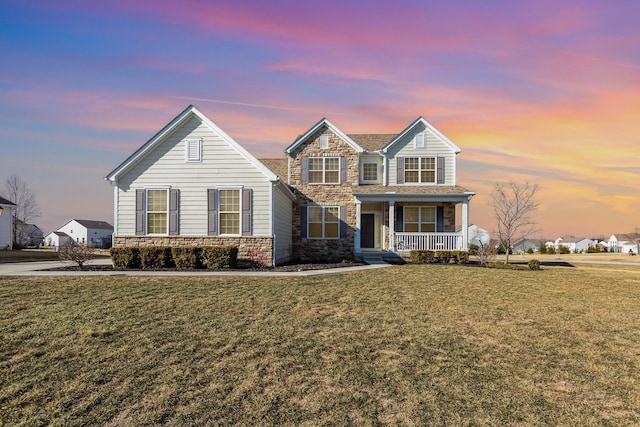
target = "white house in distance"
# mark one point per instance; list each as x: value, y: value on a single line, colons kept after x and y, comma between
x: 96, y: 233
x: 56, y: 238
x: 6, y: 226
x: 624, y: 243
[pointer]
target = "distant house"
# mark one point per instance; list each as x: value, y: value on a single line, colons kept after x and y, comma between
x: 524, y: 245
x: 95, y: 233
x: 624, y: 243
x: 6, y: 226
x: 582, y: 245
x: 56, y: 238
x: 28, y: 234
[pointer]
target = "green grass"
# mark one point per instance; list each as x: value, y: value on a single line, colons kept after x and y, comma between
x: 407, y: 345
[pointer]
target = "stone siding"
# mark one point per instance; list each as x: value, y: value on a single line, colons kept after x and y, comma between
x: 254, y: 250
x: 324, y: 195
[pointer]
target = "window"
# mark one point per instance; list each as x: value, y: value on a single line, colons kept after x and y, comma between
x: 157, y: 211
x: 229, y: 202
x: 323, y: 222
x: 370, y: 172
x: 419, y: 219
x: 324, y: 142
x: 324, y: 170
x: 194, y: 150
x: 420, y: 170
x: 420, y: 140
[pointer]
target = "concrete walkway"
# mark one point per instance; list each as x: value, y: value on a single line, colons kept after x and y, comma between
x: 35, y: 269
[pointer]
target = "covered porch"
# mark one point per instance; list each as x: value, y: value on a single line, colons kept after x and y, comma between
x: 399, y: 222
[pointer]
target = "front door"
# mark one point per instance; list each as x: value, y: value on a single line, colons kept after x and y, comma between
x: 367, y: 231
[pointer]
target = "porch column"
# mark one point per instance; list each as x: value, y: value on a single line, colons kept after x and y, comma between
x: 392, y: 227
x: 358, y: 249
x: 465, y: 225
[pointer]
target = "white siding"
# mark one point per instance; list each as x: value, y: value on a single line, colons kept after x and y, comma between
x: 75, y: 230
x: 221, y: 165
x: 283, y: 214
x: 434, y: 147
x: 5, y: 228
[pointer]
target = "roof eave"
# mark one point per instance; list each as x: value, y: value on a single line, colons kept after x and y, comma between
x: 314, y: 128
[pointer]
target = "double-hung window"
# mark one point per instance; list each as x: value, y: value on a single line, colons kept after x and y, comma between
x: 229, y: 211
x: 324, y: 170
x: 323, y: 222
x: 370, y: 173
x: 420, y: 170
x: 157, y: 208
x: 419, y: 219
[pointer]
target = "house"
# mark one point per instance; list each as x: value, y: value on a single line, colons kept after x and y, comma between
x: 57, y: 239
x: 191, y: 184
x: 28, y: 234
x: 624, y: 243
x: 333, y: 196
x: 6, y: 224
x: 582, y: 245
x: 365, y: 192
x: 523, y: 245
x: 94, y: 233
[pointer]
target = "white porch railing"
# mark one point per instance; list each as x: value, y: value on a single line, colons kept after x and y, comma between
x: 428, y: 241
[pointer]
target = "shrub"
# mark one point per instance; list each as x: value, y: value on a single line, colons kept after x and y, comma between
x: 123, y: 258
x: 461, y: 257
x: 187, y: 257
x: 75, y: 252
x: 533, y: 264
x: 564, y: 250
x: 421, y: 256
x: 444, y: 256
x: 215, y: 257
x: 530, y: 251
x: 153, y: 257
x: 551, y: 250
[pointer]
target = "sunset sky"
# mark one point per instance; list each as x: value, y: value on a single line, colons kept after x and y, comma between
x: 545, y: 92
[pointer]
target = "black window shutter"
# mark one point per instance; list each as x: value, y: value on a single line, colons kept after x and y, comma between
x: 399, y: 219
x: 174, y: 207
x: 439, y: 219
x: 343, y: 222
x: 400, y: 174
x: 440, y: 172
x: 140, y: 205
x: 212, y: 209
x: 247, y: 209
x: 343, y: 169
x: 304, y: 170
x: 303, y: 222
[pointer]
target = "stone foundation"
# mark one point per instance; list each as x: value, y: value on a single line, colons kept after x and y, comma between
x: 251, y: 250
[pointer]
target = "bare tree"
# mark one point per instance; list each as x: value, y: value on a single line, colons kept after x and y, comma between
x: 75, y: 252
x: 26, y: 209
x: 513, y: 204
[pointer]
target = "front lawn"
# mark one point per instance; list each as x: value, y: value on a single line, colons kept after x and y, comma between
x: 407, y: 345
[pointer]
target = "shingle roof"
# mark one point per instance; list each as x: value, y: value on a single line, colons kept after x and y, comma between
x: 372, y: 142
x: 4, y: 201
x: 409, y: 189
x: 277, y: 166
x: 100, y: 225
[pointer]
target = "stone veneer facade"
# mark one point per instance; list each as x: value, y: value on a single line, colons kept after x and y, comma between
x: 255, y: 250
x: 341, y: 194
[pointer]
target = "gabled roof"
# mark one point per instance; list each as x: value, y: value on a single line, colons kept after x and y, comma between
x: 416, y: 122
x: 277, y: 166
x: 314, y: 128
x: 372, y: 142
x: 98, y: 225
x: 4, y: 201
x: 175, y: 123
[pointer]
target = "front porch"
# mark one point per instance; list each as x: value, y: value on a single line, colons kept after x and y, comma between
x: 405, y: 242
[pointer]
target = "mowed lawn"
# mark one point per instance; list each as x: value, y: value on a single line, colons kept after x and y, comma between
x: 408, y: 345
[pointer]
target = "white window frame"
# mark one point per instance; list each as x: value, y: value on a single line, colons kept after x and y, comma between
x: 324, y: 170
x: 420, y: 221
x: 219, y: 205
x: 420, y: 140
x: 420, y: 170
x: 324, y: 142
x: 369, y: 181
x: 324, y: 223
x: 147, y: 212
x: 189, y: 150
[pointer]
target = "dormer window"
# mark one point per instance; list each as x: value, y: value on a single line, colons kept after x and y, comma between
x: 324, y: 142
x: 194, y: 150
x: 370, y: 173
x: 421, y: 140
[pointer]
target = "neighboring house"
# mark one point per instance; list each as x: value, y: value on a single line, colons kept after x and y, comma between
x: 333, y: 196
x: 6, y: 225
x: 191, y: 185
x: 94, y: 233
x: 582, y: 245
x: 30, y: 234
x: 568, y: 242
x: 524, y: 245
x: 57, y: 239
x: 624, y: 243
